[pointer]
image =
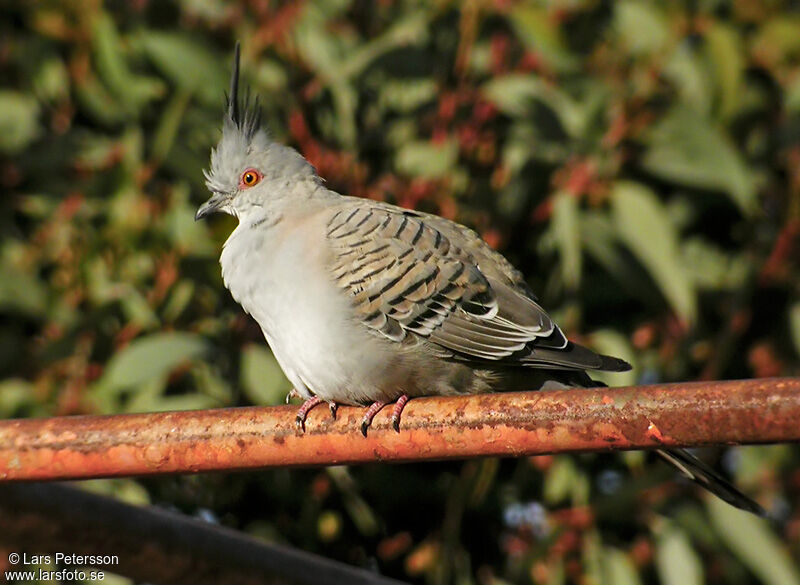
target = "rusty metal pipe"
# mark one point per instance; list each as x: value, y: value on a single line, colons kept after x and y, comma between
x: 512, y: 424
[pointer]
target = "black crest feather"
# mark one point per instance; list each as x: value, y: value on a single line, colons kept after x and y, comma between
x: 245, y: 114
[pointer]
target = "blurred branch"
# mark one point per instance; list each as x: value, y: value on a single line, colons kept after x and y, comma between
x: 508, y: 424
x: 154, y: 545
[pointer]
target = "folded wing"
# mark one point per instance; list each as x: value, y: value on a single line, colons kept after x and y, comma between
x: 412, y: 274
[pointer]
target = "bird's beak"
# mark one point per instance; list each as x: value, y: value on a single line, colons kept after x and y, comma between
x: 211, y: 206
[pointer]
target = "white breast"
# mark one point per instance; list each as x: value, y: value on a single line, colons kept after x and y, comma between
x: 280, y: 278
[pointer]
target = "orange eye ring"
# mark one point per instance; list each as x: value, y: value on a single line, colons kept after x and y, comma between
x: 249, y: 178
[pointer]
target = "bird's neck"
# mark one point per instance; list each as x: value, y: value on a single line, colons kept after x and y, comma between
x: 284, y: 201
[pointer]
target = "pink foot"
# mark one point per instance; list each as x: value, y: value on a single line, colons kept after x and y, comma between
x: 375, y: 407
x: 305, y: 408
x: 397, y: 411
x: 300, y: 419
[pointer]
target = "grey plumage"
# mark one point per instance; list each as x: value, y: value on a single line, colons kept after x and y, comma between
x: 364, y: 302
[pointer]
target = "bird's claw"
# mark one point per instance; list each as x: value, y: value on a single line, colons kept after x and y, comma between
x: 370, y: 413
x: 375, y: 407
x: 366, y: 421
x: 397, y: 410
x: 305, y: 408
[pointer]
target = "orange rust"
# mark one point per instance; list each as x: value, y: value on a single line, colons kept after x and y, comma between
x: 526, y: 423
x: 652, y: 431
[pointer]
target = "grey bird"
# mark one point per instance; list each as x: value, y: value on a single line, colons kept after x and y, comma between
x: 365, y: 303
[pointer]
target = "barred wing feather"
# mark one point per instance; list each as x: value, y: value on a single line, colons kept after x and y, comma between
x: 413, y: 274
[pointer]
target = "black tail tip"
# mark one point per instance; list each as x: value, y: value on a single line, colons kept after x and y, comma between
x: 612, y: 364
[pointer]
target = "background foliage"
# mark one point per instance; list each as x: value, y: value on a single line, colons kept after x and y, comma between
x: 639, y: 161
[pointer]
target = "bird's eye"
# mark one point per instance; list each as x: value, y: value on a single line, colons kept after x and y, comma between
x: 249, y: 178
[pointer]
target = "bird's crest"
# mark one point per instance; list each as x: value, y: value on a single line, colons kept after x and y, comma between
x: 241, y: 134
x: 245, y: 116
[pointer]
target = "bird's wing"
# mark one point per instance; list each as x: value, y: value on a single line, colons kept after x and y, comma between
x: 409, y: 273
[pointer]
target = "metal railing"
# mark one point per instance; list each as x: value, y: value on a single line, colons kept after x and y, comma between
x: 512, y: 424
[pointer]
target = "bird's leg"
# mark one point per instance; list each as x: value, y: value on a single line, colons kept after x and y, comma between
x: 300, y: 419
x: 373, y: 409
x: 397, y: 410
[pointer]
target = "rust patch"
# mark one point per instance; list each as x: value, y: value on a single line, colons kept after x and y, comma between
x: 654, y: 433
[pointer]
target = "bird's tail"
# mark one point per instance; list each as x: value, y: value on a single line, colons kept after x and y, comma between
x: 704, y: 476
x: 683, y: 461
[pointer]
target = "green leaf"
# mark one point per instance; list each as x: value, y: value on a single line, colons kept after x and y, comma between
x: 262, y: 379
x: 98, y: 102
x: 146, y: 397
x: 51, y: 82
x: 640, y: 219
x: 125, y: 490
x: 15, y: 393
x: 686, y: 149
x: 409, y: 30
x: 592, y: 556
x: 756, y: 461
x: 514, y: 94
x: 94, y: 151
x: 345, y: 100
x: 541, y: 34
x: 567, y: 235
x: 710, y: 268
x: 559, y: 480
x: 270, y: 76
x: 186, y: 62
x: 687, y: 72
x: 611, y: 342
x: 179, y: 298
x: 137, y: 309
x: 425, y: 159
x: 677, y: 562
x: 132, y: 90
x: 319, y: 47
x: 359, y: 510
x: 406, y: 95
x: 599, y: 238
x: 168, y: 125
x: 22, y: 292
x: 210, y: 383
x: 618, y: 568
x: 194, y: 401
x: 641, y: 25
x: 791, y: 96
x: 778, y: 38
x: 149, y: 357
x: 754, y: 543
x: 179, y: 225
x: 19, y: 124
x: 724, y: 49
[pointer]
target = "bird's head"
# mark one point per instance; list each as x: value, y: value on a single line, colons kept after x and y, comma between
x: 247, y: 167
